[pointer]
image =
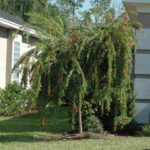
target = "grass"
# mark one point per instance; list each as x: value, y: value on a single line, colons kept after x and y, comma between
x: 27, y: 128
x: 21, y: 133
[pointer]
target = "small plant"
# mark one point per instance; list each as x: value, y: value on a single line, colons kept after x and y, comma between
x: 145, y: 130
x: 93, y: 124
x: 2, y: 99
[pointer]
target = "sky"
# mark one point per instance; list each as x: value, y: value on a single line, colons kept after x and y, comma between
x: 115, y: 3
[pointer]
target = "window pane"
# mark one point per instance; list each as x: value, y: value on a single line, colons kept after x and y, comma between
x: 15, y: 60
x: 17, y: 44
x: 16, y: 56
x: 15, y: 75
x: 17, y: 49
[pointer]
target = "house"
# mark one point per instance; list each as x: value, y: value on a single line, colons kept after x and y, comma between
x: 12, y: 45
x: 140, y: 10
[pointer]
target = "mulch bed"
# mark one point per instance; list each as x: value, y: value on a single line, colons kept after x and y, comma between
x: 26, y: 113
x: 85, y: 135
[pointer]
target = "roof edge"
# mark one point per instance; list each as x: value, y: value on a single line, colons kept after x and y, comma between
x: 8, y: 24
x: 136, y: 1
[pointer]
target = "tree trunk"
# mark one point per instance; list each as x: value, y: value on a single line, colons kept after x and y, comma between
x: 74, y: 9
x: 80, y: 120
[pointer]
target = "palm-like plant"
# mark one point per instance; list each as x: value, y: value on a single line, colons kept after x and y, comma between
x: 35, y: 65
x: 53, y: 63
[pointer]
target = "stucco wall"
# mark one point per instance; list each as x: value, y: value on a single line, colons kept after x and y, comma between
x: 7, y: 39
x: 27, y: 44
x: 9, y: 57
x: 3, y: 51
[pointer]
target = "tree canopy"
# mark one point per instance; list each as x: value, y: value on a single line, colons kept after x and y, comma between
x: 21, y: 8
x: 84, y: 63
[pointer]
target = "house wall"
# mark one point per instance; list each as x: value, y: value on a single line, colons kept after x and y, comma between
x: 16, y: 44
x: 8, y: 37
x: 25, y: 45
x: 3, y: 51
x: 142, y: 67
x: 9, y: 56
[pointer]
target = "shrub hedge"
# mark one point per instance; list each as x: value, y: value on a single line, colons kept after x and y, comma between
x: 14, y: 99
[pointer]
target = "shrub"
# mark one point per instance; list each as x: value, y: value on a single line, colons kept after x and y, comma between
x: 30, y: 101
x: 145, y: 130
x: 1, y: 96
x: 93, y: 124
x: 14, y: 99
x: 89, y: 108
x: 131, y: 128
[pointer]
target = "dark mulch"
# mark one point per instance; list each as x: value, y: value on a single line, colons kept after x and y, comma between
x: 85, y: 135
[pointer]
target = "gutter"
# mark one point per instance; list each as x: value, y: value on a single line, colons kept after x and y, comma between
x: 8, y: 24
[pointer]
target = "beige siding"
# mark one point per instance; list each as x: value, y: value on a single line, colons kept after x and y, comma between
x: 3, y: 51
x: 25, y: 47
x: 7, y: 39
x: 9, y: 57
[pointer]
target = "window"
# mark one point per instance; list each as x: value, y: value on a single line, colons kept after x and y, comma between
x: 16, y: 56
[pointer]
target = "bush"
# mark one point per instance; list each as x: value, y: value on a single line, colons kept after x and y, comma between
x: 89, y: 108
x: 14, y: 99
x: 93, y: 124
x: 145, y: 130
x: 30, y: 101
x: 1, y: 95
x: 131, y: 128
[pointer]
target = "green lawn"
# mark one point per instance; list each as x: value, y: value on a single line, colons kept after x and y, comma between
x: 23, y: 133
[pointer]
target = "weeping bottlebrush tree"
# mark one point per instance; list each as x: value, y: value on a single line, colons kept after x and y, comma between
x: 53, y: 64
x: 36, y: 64
x: 107, y: 63
x: 91, y: 63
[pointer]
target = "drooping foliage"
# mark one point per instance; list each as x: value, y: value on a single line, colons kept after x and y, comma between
x: 83, y: 64
x: 98, y: 9
x: 108, y: 68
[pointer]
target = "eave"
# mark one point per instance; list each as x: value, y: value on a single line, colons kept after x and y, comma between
x: 12, y: 25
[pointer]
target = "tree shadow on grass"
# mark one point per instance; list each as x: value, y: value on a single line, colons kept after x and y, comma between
x: 16, y: 138
x: 25, y: 128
